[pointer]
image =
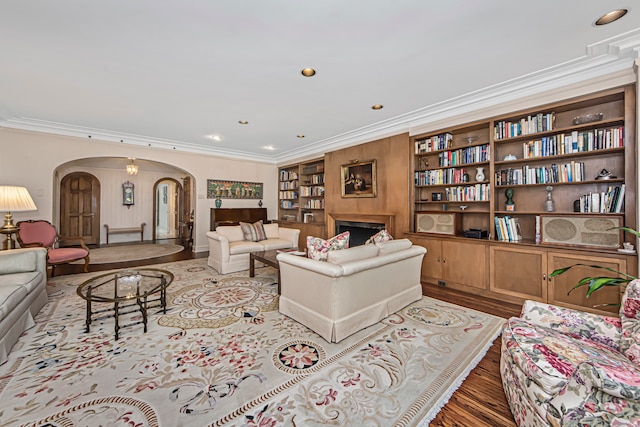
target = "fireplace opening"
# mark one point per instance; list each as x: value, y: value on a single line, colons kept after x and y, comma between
x: 359, y: 232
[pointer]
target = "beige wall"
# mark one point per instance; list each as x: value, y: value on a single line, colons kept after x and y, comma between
x: 30, y: 159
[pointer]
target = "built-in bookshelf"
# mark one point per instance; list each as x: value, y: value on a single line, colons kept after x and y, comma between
x: 301, y: 196
x: 503, y: 202
x: 577, y: 153
x: 451, y: 172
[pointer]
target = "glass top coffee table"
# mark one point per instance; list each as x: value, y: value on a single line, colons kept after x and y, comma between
x: 128, y: 291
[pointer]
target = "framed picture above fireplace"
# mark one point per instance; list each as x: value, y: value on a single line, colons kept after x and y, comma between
x: 359, y: 179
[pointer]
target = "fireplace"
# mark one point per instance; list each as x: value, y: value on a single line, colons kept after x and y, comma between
x: 359, y: 232
x: 360, y: 226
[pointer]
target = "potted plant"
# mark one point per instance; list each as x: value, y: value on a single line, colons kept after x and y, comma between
x: 596, y: 283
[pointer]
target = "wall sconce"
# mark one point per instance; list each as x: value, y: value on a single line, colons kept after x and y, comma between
x: 132, y: 168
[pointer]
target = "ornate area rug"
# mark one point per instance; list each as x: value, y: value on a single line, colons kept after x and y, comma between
x: 124, y: 253
x: 223, y: 355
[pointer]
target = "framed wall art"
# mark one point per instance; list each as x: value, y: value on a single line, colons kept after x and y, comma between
x: 359, y: 179
x: 218, y: 189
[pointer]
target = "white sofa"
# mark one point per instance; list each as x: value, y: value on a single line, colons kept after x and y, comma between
x: 23, y: 292
x: 356, y: 288
x: 229, y: 252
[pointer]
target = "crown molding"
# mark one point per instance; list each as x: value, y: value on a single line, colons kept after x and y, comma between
x: 56, y: 128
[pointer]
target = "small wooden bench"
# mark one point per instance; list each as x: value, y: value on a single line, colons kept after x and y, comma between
x: 126, y: 230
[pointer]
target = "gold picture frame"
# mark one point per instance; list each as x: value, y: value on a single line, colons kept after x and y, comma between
x: 359, y: 179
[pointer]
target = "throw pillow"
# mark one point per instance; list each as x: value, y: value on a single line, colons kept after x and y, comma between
x: 379, y: 237
x: 253, y: 232
x: 630, y: 318
x: 318, y: 248
x: 272, y: 230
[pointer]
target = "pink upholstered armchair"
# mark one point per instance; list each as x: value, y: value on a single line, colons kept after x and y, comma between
x: 41, y: 233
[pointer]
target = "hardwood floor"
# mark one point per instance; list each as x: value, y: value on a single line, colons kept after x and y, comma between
x: 479, y: 402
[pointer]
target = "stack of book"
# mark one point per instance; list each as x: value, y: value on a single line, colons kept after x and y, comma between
x: 507, y: 229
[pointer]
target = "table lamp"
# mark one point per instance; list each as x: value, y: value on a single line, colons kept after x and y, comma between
x: 13, y: 199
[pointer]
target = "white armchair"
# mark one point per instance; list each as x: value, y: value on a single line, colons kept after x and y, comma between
x: 229, y: 252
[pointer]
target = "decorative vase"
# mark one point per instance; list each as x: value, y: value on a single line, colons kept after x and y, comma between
x: 218, y: 202
x: 479, y: 174
x: 549, y: 205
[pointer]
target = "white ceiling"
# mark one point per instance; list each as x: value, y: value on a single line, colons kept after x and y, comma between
x: 171, y: 74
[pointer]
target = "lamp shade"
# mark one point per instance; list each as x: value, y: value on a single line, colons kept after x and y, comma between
x: 15, y: 199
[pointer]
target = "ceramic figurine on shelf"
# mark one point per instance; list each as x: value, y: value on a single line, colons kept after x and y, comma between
x: 509, y: 204
x: 549, y: 205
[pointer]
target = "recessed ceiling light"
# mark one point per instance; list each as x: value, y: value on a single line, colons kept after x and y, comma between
x: 300, y: 135
x: 308, y: 72
x: 215, y: 137
x: 269, y: 147
x: 377, y: 107
x: 243, y: 122
x: 614, y: 15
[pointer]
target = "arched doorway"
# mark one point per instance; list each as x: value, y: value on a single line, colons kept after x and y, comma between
x: 168, y: 201
x: 80, y: 207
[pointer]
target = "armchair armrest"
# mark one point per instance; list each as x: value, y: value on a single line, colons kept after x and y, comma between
x: 78, y: 239
x: 578, y: 324
x: 600, y: 387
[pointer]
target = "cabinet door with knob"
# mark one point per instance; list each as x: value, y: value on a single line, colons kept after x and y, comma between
x: 560, y: 286
x: 457, y: 263
x: 519, y: 272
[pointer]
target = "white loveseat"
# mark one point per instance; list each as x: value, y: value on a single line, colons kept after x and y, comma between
x: 229, y: 252
x: 356, y: 288
x: 23, y: 292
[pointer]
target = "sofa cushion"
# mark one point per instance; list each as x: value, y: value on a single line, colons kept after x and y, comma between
x: 232, y: 232
x: 18, y: 262
x: 550, y: 357
x: 10, y: 297
x: 253, y: 232
x: 242, y: 247
x: 318, y: 249
x: 353, y: 254
x: 630, y: 317
x: 270, y: 244
x: 272, y: 231
x: 379, y: 237
x: 392, y: 246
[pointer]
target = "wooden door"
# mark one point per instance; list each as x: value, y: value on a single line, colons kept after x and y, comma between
x: 80, y: 207
x: 518, y: 272
x: 559, y: 286
x: 464, y: 263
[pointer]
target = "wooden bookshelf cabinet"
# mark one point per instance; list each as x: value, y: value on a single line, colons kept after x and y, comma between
x: 566, y: 145
x: 301, y: 198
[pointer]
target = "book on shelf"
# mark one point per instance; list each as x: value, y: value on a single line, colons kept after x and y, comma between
x: 507, y: 229
x: 610, y: 201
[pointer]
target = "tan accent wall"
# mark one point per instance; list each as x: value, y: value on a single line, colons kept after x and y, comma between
x: 393, y: 160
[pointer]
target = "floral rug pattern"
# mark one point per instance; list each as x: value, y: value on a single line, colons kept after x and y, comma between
x: 248, y: 366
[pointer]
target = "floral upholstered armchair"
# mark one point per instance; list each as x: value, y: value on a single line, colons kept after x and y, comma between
x: 564, y: 367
